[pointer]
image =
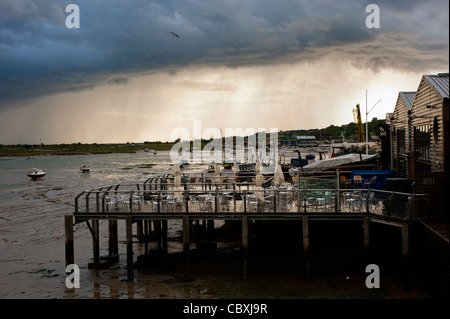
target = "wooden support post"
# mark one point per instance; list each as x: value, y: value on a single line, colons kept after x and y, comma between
x: 129, y: 241
x: 164, y: 234
x: 306, y: 245
x: 405, y: 255
x: 96, y: 240
x: 113, y: 240
x: 366, y: 239
x: 210, y: 230
x: 140, y: 230
x: 187, y: 272
x: 157, y: 228
x: 146, y: 234
x: 275, y: 193
x: 68, y: 223
x: 245, y: 245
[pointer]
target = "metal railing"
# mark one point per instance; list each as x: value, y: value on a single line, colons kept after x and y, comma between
x: 231, y: 197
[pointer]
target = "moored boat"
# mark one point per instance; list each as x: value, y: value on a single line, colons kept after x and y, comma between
x: 346, y: 162
x: 36, y: 173
x: 299, y: 162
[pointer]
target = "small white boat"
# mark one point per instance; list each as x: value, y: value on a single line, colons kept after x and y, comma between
x: 85, y: 168
x: 36, y: 173
x: 347, y: 162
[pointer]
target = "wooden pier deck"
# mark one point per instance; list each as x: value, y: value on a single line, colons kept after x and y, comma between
x: 190, y: 203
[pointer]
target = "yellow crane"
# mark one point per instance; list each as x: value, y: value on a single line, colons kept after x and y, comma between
x: 358, y: 123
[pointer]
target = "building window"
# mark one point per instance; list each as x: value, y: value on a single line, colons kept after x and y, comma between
x: 422, y: 142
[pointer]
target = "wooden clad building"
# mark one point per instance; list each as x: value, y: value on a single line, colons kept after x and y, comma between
x: 401, y: 133
x: 429, y: 141
x: 427, y: 122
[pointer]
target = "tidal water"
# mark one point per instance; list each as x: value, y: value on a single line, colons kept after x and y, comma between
x: 32, y: 213
x: 32, y: 257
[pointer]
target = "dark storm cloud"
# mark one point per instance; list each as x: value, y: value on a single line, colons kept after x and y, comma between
x: 118, y: 81
x: 25, y: 11
x: 40, y: 56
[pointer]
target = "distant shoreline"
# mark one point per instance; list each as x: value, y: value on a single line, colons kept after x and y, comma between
x: 80, y: 149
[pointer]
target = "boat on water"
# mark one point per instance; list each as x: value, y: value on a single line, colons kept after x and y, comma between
x: 344, y: 162
x: 36, y: 173
x: 85, y: 168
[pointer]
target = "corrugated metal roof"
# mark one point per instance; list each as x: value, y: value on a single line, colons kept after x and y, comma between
x: 440, y: 83
x: 408, y: 98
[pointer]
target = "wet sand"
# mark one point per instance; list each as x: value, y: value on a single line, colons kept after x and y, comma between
x: 40, y: 274
x: 35, y: 269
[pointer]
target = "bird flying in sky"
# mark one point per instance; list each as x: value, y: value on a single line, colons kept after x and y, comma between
x: 174, y: 34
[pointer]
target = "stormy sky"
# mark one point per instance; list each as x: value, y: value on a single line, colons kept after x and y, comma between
x: 122, y: 76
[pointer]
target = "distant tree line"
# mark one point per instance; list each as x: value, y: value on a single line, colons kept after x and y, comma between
x: 333, y: 132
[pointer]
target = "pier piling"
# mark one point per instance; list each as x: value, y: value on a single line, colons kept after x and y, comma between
x: 146, y: 234
x: 306, y: 245
x: 140, y: 230
x: 158, y: 231
x: 405, y: 255
x: 164, y: 228
x: 68, y: 223
x: 187, y: 272
x: 129, y: 241
x: 366, y: 238
x: 245, y: 245
x: 96, y: 241
x: 113, y: 238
